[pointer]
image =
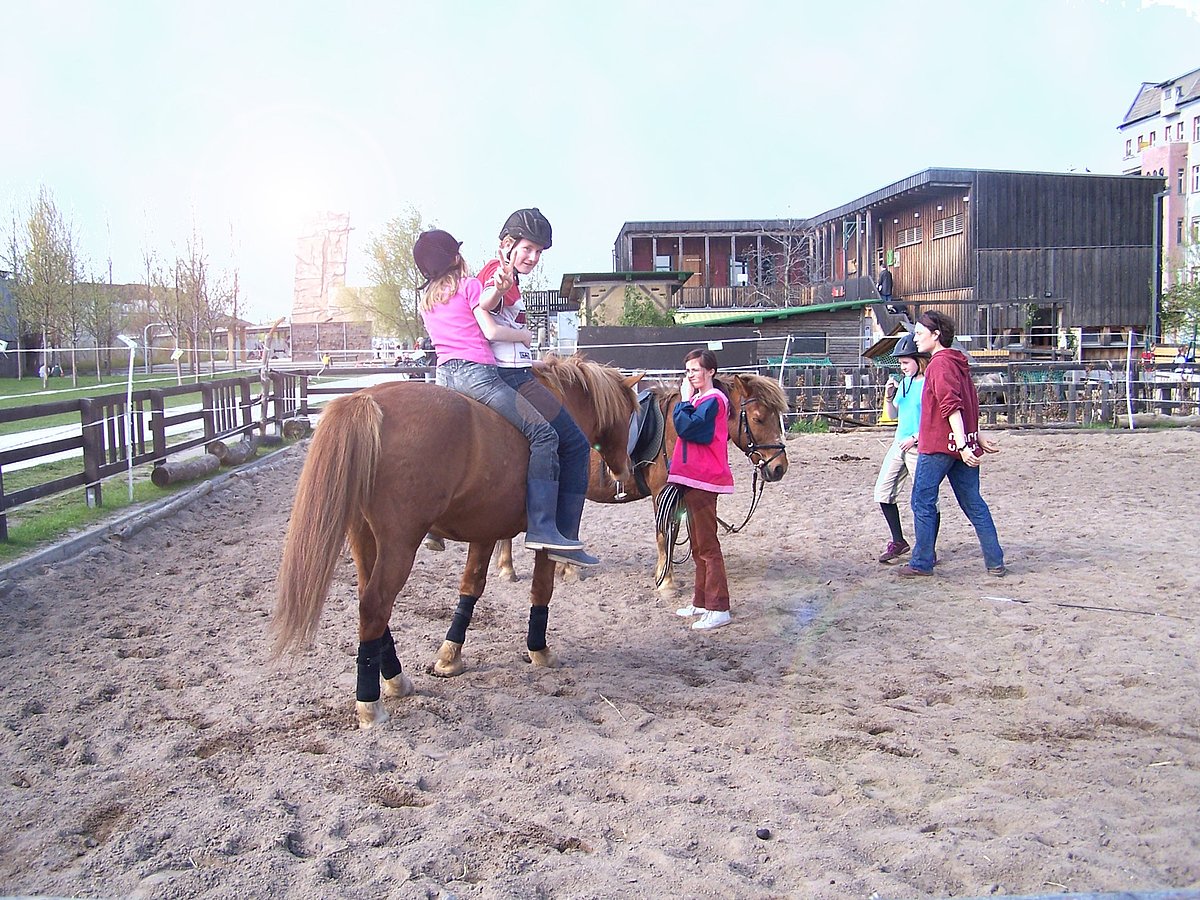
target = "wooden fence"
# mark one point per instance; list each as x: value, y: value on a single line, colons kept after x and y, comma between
x: 112, y: 434
x: 1012, y: 395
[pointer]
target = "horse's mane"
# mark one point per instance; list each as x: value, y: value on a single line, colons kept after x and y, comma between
x: 765, y: 390
x: 614, y: 400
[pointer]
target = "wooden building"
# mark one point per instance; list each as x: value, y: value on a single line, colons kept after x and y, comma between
x: 1031, y: 262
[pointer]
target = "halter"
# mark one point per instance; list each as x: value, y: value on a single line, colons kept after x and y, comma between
x: 754, y: 453
x: 753, y: 449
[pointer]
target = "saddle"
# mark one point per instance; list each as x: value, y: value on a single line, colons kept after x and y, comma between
x: 645, y: 437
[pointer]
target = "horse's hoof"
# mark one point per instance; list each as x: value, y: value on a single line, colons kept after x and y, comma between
x: 507, y: 575
x: 370, y: 714
x: 544, y: 659
x: 571, y: 574
x: 448, y: 661
x: 667, y: 591
x: 400, y: 686
x: 433, y: 543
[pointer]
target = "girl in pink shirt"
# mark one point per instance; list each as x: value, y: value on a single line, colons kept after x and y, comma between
x: 461, y: 330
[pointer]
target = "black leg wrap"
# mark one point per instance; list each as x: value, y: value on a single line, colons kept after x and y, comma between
x: 389, y: 662
x: 368, y: 669
x: 462, y: 619
x: 538, y: 616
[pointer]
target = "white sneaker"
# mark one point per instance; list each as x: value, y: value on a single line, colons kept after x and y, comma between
x: 712, y: 619
x: 688, y: 611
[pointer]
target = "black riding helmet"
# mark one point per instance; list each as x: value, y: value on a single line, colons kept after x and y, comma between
x: 529, y: 224
x: 907, y: 346
x: 436, y: 254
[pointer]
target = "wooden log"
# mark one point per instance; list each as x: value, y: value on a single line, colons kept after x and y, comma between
x: 240, y: 452
x: 299, y: 427
x: 270, y: 440
x: 1157, y: 420
x: 175, y: 471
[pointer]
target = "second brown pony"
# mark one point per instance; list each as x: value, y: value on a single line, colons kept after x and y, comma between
x: 391, y: 462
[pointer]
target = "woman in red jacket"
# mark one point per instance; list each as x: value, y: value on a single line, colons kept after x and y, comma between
x: 700, y: 463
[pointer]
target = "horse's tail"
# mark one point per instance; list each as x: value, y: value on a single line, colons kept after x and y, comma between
x: 337, y: 479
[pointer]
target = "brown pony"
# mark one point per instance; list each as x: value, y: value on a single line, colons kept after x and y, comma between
x: 756, y: 408
x: 391, y: 462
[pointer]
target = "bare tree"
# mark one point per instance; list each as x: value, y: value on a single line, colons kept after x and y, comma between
x: 783, y: 266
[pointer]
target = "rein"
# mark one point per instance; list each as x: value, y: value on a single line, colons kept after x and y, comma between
x: 754, y: 453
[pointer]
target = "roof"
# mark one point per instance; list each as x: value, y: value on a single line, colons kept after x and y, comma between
x: 1148, y: 102
x: 571, y: 280
x: 760, y: 315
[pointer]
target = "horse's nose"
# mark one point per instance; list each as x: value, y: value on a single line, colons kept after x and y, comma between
x: 775, y: 471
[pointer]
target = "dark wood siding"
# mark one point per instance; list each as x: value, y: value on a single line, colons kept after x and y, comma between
x: 935, y: 264
x: 1012, y: 210
x: 1100, y: 286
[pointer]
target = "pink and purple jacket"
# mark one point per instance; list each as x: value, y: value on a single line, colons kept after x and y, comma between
x: 701, y: 457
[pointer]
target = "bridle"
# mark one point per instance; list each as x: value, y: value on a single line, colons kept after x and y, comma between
x: 755, y: 452
x: 753, y: 449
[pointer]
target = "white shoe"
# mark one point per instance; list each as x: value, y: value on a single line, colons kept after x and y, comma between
x: 712, y: 619
x: 688, y: 611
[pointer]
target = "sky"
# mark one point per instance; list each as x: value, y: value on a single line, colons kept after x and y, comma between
x: 242, y: 120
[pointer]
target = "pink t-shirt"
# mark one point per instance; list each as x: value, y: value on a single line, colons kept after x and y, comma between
x: 453, y: 329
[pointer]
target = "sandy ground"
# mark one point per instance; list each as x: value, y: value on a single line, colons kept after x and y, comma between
x: 958, y: 736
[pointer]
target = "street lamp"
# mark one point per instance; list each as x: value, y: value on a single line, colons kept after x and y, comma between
x: 146, y: 341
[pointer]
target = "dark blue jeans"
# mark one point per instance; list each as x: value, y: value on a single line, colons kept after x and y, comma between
x: 932, y: 470
x: 573, y: 449
x: 483, y: 383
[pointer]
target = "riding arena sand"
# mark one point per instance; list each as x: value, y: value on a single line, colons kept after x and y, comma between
x: 851, y: 734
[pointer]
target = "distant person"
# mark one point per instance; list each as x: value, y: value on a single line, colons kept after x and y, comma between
x: 950, y: 448
x: 884, y: 285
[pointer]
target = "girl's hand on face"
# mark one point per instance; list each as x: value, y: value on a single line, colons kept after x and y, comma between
x: 685, y: 389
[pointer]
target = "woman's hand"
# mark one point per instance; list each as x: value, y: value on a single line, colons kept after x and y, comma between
x: 685, y: 390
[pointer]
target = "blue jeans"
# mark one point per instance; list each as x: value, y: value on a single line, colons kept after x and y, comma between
x: 574, y: 452
x: 932, y: 469
x: 483, y: 383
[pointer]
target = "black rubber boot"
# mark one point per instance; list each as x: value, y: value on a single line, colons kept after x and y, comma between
x: 541, y: 508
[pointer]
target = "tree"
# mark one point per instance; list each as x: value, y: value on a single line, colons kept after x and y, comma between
x: 48, y: 254
x: 98, y: 313
x: 640, y: 309
x: 786, y: 267
x: 392, y: 301
x: 1181, y: 311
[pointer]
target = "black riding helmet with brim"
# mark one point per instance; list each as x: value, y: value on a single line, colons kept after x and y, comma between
x: 907, y: 346
x: 529, y: 224
x: 436, y: 254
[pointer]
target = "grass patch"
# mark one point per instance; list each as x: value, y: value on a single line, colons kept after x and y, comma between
x: 809, y: 426
x: 39, y: 523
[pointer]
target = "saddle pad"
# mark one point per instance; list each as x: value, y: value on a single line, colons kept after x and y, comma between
x: 646, y: 434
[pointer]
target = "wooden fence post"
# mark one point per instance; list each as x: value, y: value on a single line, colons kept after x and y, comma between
x: 158, y: 425
x: 207, y: 410
x: 91, y: 419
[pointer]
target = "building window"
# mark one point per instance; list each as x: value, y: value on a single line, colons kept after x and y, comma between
x: 1153, y: 138
x: 948, y: 226
x: 1129, y: 148
x: 810, y: 343
x: 1181, y: 174
x: 1196, y: 129
x: 1179, y: 130
x: 1179, y: 231
x: 1196, y: 229
x: 662, y: 264
x: 1141, y: 143
x: 906, y: 237
x: 1195, y: 179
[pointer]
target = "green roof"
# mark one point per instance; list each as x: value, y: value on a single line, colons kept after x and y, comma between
x: 760, y: 315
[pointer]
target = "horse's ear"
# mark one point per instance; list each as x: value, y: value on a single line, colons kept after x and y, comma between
x: 631, y: 380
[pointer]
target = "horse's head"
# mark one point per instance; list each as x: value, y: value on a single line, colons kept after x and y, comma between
x: 758, y: 403
x: 602, y: 402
